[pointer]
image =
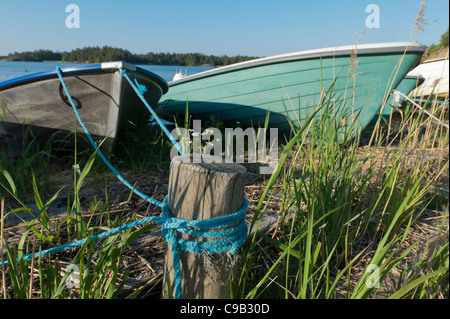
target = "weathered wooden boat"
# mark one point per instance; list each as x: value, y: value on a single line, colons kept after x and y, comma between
x: 290, y: 85
x: 37, y: 103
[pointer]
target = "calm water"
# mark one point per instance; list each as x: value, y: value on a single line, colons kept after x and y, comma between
x: 10, y: 70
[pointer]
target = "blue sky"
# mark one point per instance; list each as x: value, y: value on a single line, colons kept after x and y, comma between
x: 227, y: 27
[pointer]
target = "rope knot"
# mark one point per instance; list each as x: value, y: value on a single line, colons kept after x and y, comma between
x: 142, y: 88
x: 217, y: 241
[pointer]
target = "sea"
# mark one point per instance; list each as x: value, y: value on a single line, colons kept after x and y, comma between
x: 11, y: 70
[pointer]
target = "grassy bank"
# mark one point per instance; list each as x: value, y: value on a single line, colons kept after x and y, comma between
x: 349, y: 210
x: 359, y: 217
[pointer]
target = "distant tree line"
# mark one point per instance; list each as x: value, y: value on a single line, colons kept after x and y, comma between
x: 38, y: 55
x: 440, y: 48
x: 106, y: 53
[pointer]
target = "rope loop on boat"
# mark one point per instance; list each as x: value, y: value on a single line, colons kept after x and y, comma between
x: 139, y: 91
x: 142, y: 88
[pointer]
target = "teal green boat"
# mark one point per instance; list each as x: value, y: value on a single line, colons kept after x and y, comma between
x: 290, y: 85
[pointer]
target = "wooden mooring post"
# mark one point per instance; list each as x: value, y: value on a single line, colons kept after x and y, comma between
x: 199, y: 191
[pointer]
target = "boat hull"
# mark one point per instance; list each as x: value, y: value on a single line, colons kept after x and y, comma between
x: 290, y: 86
x: 104, y: 100
x: 435, y: 71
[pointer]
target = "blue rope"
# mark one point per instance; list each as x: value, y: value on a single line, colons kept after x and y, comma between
x: 105, y: 160
x: 140, y: 90
x: 223, y: 241
x: 228, y: 240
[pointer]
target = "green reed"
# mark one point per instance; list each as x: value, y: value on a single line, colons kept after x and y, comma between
x: 344, y: 214
x: 341, y: 206
x: 99, y: 276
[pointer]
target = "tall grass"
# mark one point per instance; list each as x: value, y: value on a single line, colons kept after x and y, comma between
x: 347, y: 215
x: 347, y: 211
x: 98, y: 261
x: 141, y: 146
x: 32, y: 158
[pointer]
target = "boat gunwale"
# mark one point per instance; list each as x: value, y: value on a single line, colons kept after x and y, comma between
x: 362, y: 49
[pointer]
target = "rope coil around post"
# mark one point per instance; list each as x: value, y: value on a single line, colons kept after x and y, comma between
x: 223, y: 241
x: 228, y: 240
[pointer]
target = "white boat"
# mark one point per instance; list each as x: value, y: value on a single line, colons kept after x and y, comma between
x: 435, y: 72
x: 179, y: 75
